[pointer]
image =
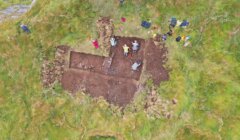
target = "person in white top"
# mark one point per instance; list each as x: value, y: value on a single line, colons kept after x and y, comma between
x: 136, y: 65
x: 113, y: 41
x: 135, y: 46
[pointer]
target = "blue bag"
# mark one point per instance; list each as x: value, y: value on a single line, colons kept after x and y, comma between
x: 146, y: 24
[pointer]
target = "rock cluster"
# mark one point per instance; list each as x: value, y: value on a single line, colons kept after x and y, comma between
x: 105, y: 31
x: 156, y: 107
x: 107, y: 63
x: 158, y: 40
x: 59, y: 62
x: 85, y: 67
x: 52, y: 71
x: 47, y: 73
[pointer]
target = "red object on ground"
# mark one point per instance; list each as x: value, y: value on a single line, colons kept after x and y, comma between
x: 123, y: 19
x: 95, y: 44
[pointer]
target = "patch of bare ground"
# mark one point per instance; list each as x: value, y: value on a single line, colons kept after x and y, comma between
x: 111, y: 77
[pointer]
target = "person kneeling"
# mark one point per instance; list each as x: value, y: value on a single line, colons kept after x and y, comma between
x: 136, y: 65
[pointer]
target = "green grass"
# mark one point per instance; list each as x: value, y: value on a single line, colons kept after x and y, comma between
x: 205, y: 79
x: 102, y: 138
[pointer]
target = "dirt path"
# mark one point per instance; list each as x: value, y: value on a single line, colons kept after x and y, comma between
x: 15, y: 11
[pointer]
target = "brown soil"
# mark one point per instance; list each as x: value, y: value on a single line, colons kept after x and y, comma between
x: 119, y: 91
x: 111, y: 77
x: 86, y: 61
x: 155, y: 57
x: 120, y: 65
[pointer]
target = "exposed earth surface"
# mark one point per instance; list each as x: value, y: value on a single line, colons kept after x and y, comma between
x: 111, y: 77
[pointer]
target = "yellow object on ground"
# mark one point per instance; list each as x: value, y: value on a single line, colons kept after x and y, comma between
x: 183, y: 38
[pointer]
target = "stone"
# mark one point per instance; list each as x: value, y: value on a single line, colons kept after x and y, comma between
x: 174, y: 101
x: 105, y: 31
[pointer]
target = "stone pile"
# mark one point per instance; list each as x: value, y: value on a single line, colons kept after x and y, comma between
x: 52, y: 71
x: 48, y: 77
x: 59, y: 62
x: 156, y: 107
x: 158, y: 40
x: 107, y: 63
x: 85, y: 67
x: 105, y: 31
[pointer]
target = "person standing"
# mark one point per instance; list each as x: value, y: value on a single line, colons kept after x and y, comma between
x: 135, y: 46
x: 125, y: 50
x: 113, y: 42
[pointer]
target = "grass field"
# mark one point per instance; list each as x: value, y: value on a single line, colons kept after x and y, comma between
x: 204, y: 78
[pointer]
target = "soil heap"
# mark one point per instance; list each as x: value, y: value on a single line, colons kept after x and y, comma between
x: 105, y: 31
x: 52, y: 71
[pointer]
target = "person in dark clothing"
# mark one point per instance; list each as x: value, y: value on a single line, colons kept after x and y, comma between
x: 135, y: 46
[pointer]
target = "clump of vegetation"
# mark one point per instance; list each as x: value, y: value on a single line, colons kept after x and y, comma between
x: 102, y: 138
x: 205, y: 78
